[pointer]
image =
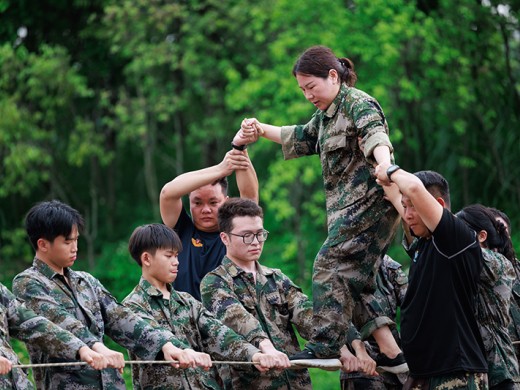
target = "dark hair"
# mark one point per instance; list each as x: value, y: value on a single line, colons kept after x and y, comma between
x: 223, y: 184
x: 479, y: 217
x: 319, y: 60
x: 236, y: 207
x: 51, y: 219
x: 149, y: 238
x: 500, y: 214
x: 436, y: 185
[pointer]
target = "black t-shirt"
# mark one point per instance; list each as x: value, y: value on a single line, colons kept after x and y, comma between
x: 202, y: 252
x: 439, y: 332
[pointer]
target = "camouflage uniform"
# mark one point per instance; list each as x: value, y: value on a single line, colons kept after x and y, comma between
x: 493, y: 317
x: 267, y: 309
x: 89, y: 311
x: 391, y: 289
x: 467, y: 381
x: 514, y: 310
x: 18, y: 321
x: 360, y: 223
x: 195, y: 327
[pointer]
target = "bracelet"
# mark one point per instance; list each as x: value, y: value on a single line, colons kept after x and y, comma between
x: 238, y: 147
x: 391, y: 170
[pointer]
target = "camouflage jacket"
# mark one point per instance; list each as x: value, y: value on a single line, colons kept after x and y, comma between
x: 514, y: 309
x: 354, y: 199
x: 89, y: 311
x: 267, y: 309
x: 18, y: 321
x: 192, y: 325
x: 494, y: 293
x: 392, y: 282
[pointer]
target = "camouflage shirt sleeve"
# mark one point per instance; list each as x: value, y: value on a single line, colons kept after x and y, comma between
x: 300, y: 140
x: 400, y: 282
x: 128, y: 329
x: 38, y: 298
x: 369, y: 119
x: 300, y: 306
x: 25, y: 325
x: 221, y: 341
x: 219, y: 298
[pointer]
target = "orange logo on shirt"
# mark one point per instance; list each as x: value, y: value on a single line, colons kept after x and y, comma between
x: 197, y: 243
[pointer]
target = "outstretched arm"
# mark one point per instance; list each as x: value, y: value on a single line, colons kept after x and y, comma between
x: 170, y: 200
x: 251, y: 129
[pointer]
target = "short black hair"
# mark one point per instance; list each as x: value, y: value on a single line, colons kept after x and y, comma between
x: 149, y: 238
x: 223, y: 181
x: 237, y: 207
x: 436, y: 185
x: 51, y: 219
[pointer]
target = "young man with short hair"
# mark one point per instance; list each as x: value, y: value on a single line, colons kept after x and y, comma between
x: 439, y: 332
x: 207, y: 190
x: 155, y: 248
x: 78, y: 302
x: 260, y: 303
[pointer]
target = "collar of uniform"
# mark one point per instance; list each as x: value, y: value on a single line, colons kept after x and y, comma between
x: 234, y: 270
x: 151, y: 290
x: 336, y: 103
x: 47, y: 271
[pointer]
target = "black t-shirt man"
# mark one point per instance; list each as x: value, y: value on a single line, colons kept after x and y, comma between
x: 201, y: 253
x: 439, y: 332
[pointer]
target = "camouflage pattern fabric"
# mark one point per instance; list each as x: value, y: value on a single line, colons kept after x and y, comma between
x: 493, y: 318
x: 86, y: 309
x: 369, y: 383
x: 392, y: 283
x: 18, y: 321
x: 514, y: 310
x: 267, y: 309
x: 192, y: 325
x: 361, y: 224
x: 466, y: 381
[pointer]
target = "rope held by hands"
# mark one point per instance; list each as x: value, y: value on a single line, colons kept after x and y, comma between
x: 66, y: 364
x: 327, y: 364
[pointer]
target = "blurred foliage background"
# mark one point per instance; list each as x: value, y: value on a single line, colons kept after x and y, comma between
x: 104, y: 101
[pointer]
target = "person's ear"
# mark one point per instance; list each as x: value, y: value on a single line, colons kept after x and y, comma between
x: 43, y: 244
x: 334, y: 77
x: 441, y: 202
x: 225, y: 238
x: 482, y: 236
x: 145, y: 259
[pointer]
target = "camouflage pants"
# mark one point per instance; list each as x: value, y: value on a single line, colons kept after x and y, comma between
x: 469, y: 381
x: 345, y: 275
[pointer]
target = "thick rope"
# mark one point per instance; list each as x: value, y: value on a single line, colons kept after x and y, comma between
x: 65, y: 364
x: 297, y: 365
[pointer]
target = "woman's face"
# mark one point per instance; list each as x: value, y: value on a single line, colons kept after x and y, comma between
x: 319, y: 91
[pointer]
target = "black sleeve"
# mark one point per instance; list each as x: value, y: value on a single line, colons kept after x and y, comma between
x: 452, y: 236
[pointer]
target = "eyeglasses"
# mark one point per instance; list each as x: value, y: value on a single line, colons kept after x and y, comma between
x: 248, y: 238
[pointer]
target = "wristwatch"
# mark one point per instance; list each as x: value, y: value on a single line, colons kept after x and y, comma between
x: 390, y: 171
x: 238, y: 147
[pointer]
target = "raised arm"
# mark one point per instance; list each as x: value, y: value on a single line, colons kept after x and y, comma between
x: 247, y: 180
x: 410, y: 186
x: 170, y: 200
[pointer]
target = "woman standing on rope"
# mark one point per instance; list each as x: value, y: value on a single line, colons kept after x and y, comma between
x: 361, y: 223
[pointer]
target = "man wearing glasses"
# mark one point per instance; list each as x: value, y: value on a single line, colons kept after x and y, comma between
x: 258, y: 302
